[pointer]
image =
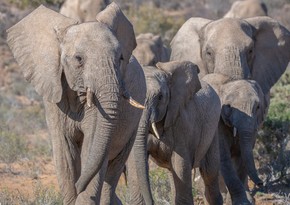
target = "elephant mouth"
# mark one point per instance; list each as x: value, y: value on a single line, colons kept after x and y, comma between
x: 125, y: 95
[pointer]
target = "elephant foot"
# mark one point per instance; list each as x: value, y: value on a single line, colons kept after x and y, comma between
x: 250, y: 198
x: 237, y: 200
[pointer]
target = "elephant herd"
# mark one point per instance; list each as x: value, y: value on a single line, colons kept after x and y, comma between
x: 109, y: 105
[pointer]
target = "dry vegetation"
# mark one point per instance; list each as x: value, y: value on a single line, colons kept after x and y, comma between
x: 26, y: 169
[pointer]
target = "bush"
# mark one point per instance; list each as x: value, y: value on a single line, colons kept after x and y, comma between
x: 12, y: 147
x: 147, y: 18
x: 160, y: 186
x: 34, y: 3
x: 272, y: 147
x: 42, y: 196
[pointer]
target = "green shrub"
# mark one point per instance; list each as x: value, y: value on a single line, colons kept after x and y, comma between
x: 34, y: 3
x: 12, y: 147
x: 147, y: 18
x: 42, y: 196
x: 160, y: 186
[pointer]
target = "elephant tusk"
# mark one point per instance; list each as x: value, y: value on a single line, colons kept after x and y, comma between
x: 133, y: 102
x: 235, y: 131
x: 89, y: 97
x: 155, y: 130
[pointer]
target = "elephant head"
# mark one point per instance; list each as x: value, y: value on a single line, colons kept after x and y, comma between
x: 244, y: 107
x: 247, y: 9
x: 58, y: 56
x: 255, y: 48
x: 150, y: 50
x: 83, y: 10
x: 169, y: 89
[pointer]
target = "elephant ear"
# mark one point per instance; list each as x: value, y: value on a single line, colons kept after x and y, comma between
x: 35, y: 46
x: 186, y: 44
x: 183, y: 86
x: 114, y: 18
x: 272, y: 51
x: 162, y: 50
x: 263, y: 104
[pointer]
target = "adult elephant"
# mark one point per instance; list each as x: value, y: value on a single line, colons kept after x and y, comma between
x: 246, y: 9
x: 83, y: 10
x: 84, y: 75
x: 257, y: 48
x: 150, y: 50
x: 180, y: 131
x: 244, y: 107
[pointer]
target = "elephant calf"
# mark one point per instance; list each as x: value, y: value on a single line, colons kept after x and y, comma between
x: 244, y: 107
x: 180, y: 124
x: 150, y: 50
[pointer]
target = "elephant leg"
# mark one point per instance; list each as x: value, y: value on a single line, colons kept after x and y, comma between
x: 181, y: 172
x: 92, y: 193
x: 232, y: 181
x: 114, y: 171
x: 209, y: 171
x: 67, y: 159
x: 242, y: 174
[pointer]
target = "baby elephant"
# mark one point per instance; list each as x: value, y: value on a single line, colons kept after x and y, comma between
x: 179, y: 124
x: 244, y: 107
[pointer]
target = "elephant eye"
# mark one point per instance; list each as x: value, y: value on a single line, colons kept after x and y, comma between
x: 80, y: 60
x: 160, y: 97
x: 250, y: 51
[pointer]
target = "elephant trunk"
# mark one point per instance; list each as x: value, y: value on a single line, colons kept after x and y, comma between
x: 107, y: 97
x: 233, y: 63
x: 141, y: 161
x: 246, y: 146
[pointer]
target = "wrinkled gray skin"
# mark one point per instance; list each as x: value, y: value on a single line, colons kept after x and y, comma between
x: 178, y: 103
x: 82, y: 72
x: 247, y: 9
x: 255, y: 48
x: 83, y: 10
x: 244, y: 107
x: 150, y: 50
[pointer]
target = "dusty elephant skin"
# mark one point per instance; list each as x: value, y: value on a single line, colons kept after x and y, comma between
x: 255, y: 48
x: 83, y: 10
x: 244, y: 107
x: 150, y: 50
x: 247, y: 9
x: 180, y: 131
x: 85, y: 74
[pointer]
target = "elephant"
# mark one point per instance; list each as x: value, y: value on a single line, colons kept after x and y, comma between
x: 83, y: 10
x: 244, y: 107
x: 150, y: 50
x: 178, y: 130
x: 255, y: 48
x: 86, y: 76
x: 246, y: 9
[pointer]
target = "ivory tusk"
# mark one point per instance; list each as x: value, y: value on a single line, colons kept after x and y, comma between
x: 135, y: 103
x: 155, y: 130
x: 235, y: 131
x: 89, y: 97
